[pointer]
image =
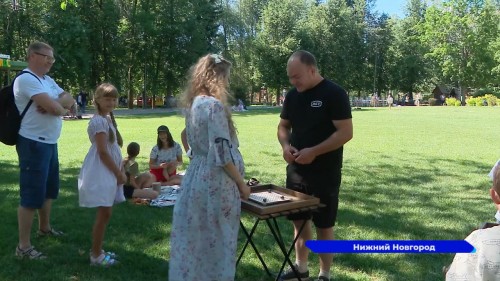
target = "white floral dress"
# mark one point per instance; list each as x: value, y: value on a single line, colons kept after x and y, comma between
x: 207, y: 213
x: 97, y: 185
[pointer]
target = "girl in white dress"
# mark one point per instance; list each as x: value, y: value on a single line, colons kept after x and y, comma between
x: 101, y: 179
x: 207, y: 211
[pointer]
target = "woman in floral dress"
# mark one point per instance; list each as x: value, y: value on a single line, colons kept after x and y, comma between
x: 207, y: 211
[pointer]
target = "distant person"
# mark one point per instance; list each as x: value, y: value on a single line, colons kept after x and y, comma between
x: 241, y: 105
x: 101, y: 179
x: 315, y: 123
x: 483, y: 264
x: 137, y: 183
x: 390, y: 101
x: 418, y: 97
x: 206, y: 220
x: 165, y: 157
x: 374, y: 100
x: 82, y: 100
x: 36, y: 147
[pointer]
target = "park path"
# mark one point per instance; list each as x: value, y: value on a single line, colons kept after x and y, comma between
x: 147, y: 111
x: 126, y: 111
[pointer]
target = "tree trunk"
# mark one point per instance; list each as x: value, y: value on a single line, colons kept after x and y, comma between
x: 130, y: 89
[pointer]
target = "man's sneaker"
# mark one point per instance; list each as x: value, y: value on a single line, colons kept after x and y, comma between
x: 289, y: 275
x: 322, y: 278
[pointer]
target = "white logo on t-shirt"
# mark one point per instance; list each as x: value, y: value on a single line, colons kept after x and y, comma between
x: 316, y: 103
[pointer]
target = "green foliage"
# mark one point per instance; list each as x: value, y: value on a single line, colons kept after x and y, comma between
x: 471, y: 101
x: 402, y: 184
x: 336, y: 34
x: 65, y: 4
x: 408, y: 67
x: 148, y: 46
x: 238, y: 92
x: 482, y: 92
x: 491, y: 99
x: 459, y: 34
x: 278, y: 39
x: 452, y: 102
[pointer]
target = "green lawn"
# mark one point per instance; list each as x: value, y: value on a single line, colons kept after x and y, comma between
x: 409, y: 173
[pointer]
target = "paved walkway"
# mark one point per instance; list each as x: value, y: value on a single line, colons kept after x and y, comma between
x: 146, y: 111
x: 126, y: 111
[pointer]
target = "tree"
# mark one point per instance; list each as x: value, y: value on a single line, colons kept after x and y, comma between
x: 73, y: 60
x: 278, y: 39
x: 408, y: 67
x: 335, y: 33
x: 459, y: 34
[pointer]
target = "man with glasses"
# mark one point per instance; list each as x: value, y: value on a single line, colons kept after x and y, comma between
x: 37, y: 145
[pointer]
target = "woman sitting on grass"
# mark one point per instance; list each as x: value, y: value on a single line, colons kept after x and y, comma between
x: 165, y: 156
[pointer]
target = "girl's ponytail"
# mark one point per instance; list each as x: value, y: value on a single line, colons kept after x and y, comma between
x: 119, y: 138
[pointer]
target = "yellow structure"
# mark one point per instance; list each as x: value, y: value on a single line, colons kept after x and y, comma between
x: 9, y: 68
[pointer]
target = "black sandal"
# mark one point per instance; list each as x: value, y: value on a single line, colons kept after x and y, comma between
x: 253, y: 182
x: 51, y: 232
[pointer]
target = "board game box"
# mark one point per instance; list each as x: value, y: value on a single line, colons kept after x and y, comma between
x: 269, y: 199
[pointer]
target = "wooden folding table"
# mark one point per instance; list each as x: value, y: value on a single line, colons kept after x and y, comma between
x: 295, y: 202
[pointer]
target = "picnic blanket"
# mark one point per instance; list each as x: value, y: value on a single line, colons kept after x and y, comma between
x: 167, y: 197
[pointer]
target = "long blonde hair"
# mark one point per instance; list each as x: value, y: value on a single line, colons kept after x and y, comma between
x: 496, y: 179
x: 210, y: 76
x: 106, y: 90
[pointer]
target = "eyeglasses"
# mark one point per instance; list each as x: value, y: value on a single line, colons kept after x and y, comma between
x: 47, y: 57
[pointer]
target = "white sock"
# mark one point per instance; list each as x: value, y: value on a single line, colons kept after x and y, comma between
x: 301, y: 266
x: 324, y: 273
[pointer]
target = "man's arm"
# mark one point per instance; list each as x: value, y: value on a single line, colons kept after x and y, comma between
x: 57, y: 107
x: 66, y: 100
x: 339, y: 138
x: 284, y: 129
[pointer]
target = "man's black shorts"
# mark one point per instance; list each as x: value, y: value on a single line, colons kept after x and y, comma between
x: 324, y: 185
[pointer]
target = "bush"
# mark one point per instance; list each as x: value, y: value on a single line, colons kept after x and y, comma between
x: 432, y: 102
x: 484, y: 92
x: 452, y: 102
x: 491, y: 100
x: 471, y: 101
x: 458, y: 103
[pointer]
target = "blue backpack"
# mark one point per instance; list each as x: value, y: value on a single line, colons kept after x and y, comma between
x: 10, y: 119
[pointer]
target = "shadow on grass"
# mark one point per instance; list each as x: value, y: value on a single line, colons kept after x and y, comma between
x: 365, y: 109
x: 410, y: 204
x: 139, y: 234
x: 383, y: 201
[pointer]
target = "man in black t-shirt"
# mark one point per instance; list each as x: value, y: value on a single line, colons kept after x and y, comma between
x: 315, y: 123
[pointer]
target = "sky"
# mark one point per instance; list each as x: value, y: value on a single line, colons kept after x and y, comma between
x: 391, y: 7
